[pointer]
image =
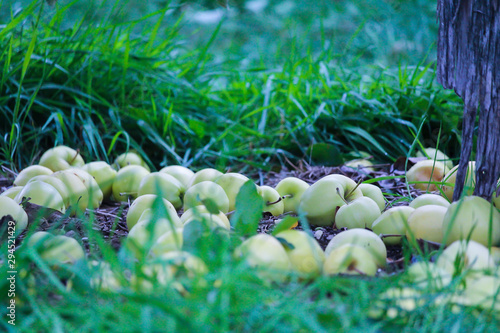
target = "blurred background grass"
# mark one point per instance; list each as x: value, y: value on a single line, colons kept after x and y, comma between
x: 242, y: 84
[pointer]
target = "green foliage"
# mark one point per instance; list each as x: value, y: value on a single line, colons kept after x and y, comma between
x: 249, y: 206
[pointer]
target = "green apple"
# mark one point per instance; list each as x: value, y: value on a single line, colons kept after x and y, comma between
x: 207, y: 174
x: 472, y: 217
x: 78, y: 192
x: 170, y: 241
x: 351, y: 189
x: 12, y: 192
x: 359, y: 213
x: 210, y: 220
x: 305, y: 254
x: 392, y: 222
x: 182, y: 174
x: 429, y: 199
x: 130, y: 158
x: 196, y: 194
x: 145, y: 233
x: 481, y: 291
x: 350, y: 259
x: 266, y: 254
x: 127, y: 182
x: 291, y: 189
x: 103, y: 278
x: 159, y: 206
x: 450, y: 178
x: 42, y: 194
x: 426, y: 171
x: 321, y: 200
x: 8, y: 207
x: 231, y: 183
x: 198, y: 210
x: 94, y: 191
x: 27, y: 173
x: 58, y: 185
x: 272, y: 200
x: 426, y: 223
x: 61, y: 158
x: 438, y: 155
x: 56, y: 250
x: 360, y: 163
x: 461, y: 255
x: 363, y: 238
x: 164, y: 185
x: 428, y: 275
x: 103, y: 174
x: 375, y: 193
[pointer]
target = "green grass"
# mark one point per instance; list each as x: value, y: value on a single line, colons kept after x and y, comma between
x: 246, y: 94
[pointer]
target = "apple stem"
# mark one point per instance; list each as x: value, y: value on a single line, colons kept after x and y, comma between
x: 355, y: 187
x: 74, y: 157
x: 341, y: 197
x: 268, y: 203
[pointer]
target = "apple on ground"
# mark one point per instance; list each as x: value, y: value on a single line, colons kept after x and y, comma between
x: 428, y: 275
x: 42, y: 194
x: 305, y: 254
x: 393, y: 221
x: 429, y: 199
x: 373, y: 192
x: 130, y: 158
x: 351, y: 188
x: 363, y: 238
x: 169, y: 241
x: 272, y: 200
x: 56, y: 250
x: 461, y: 255
x: 429, y: 172
x: 78, y: 192
x: 210, y: 221
x: 426, y: 222
x: 231, y: 183
x: 27, y: 173
x: 103, y: 174
x: 321, y: 200
x: 12, y: 192
x: 291, y: 189
x: 9, y: 207
x: 207, y: 174
x: 198, y: 210
x: 164, y: 185
x: 94, y: 191
x: 436, y: 154
x: 451, y: 176
x: 266, y: 254
x: 182, y: 174
x: 472, y: 218
x: 361, y: 163
x: 57, y: 184
x: 196, y: 194
x: 482, y: 291
x: 350, y: 259
x: 103, y: 278
x: 359, y: 213
x: 127, y: 182
x: 145, y: 233
x: 61, y: 158
x: 158, y: 206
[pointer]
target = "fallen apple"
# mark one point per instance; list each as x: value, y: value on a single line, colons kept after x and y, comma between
x: 428, y: 275
x: 462, y: 255
x: 103, y: 278
x: 57, y: 184
x: 351, y: 188
x: 164, y: 185
x: 273, y: 203
x: 130, y: 158
x: 427, y: 174
x: 103, y: 174
x: 472, y: 218
x: 127, y: 182
x: 207, y: 174
x: 196, y: 194
x: 359, y: 213
x: 94, y: 191
x: 8, y: 207
x: 361, y: 163
x: 291, y: 189
x: 375, y: 193
x: 61, y: 158
x: 144, y: 235
x: 158, y: 206
x: 12, y: 192
x: 429, y: 199
x: 198, y: 210
x: 231, y: 183
x: 393, y: 222
x: 27, y: 173
x: 212, y: 221
x: 42, y: 194
x: 363, y: 238
x: 321, y: 200
x: 56, y: 250
x: 78, y: 192
x: 304, y: 252
x: 451, y: 176
x: 426, y: 223
x: 350, y: 259
x: 182, y: 174
x: 437, y: 155
x: 170, y: 241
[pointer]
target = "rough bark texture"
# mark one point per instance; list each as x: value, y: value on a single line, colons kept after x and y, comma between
x: 469, y: 63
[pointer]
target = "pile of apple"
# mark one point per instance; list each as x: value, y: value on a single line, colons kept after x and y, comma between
x: 62, y: 181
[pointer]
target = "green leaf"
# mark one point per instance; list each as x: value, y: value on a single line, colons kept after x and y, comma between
x: 211, y: 206
x: 249, y: 206
x: 284, y: 224
x: 287, y: 245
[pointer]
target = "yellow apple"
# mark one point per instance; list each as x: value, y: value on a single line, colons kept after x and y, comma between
x: 350, y: 259
x: 375, y: 193
x: 359, y: 213
x: 130, y: 158
x: 291, y: 189
x: 94, y: 191
x: 12, y: 192
x: 438, y: 155
x: 198, y: 210
x: 231, y: 183
x: 392, y: 222
x: 58, y: 185
x: 462, y: 255
x: 61, y: 158
x: 8, y: 207
x: 182, y: 174
x: 271, y: 203
x: 127, y: 182
x: 429, y: 199
x: 426, y: 222
x: 451, y: 176
x: 196, y: 194
x: 158, y: 206
x: 27, y: 173
x: 207, y: 174
x: 426, y: 171
x: 78, y: 192
x: 170, y: 241
x: 42, y: 194
x: 351, y: 188
x: 164, y: 185
x: 103, y: 174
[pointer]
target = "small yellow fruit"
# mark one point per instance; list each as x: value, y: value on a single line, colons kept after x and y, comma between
x: 429, y: 172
